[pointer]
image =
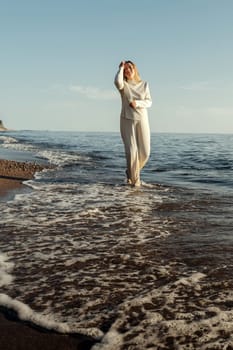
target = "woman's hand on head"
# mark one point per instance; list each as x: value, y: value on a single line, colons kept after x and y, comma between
x: 122, y: 64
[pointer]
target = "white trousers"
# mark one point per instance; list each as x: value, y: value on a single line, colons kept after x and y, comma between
x: 136, y: 138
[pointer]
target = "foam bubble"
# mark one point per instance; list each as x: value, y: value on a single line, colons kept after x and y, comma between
x: 5, y: 268
x: 177, y: 315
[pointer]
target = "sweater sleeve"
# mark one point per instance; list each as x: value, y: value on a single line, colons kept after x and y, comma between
x: 147, y: 101
x: 119, y: 79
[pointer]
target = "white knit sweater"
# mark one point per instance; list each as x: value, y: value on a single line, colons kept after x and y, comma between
x: 131, y: 90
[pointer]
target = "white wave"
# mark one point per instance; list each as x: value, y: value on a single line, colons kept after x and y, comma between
x: 25, y: 313
x: 13, y: 144
x: 97, y: 202
x: 6, y: 140
x: 73, y: 234
x: 56, y: 157
x: 62, y: 158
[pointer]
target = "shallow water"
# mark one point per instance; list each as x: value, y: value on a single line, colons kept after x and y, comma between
x: 147, y: 268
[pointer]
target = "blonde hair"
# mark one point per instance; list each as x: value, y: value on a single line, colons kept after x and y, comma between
x: 136, y: 76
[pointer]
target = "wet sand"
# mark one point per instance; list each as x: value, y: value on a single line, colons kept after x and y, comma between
x: 18, y: 335
x: 8, y: 187
x: 15, y: 334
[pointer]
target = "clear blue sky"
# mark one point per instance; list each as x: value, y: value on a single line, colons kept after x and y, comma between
x: 59, y: 58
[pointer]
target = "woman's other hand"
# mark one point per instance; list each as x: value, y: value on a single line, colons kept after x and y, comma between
x: 133, y: 104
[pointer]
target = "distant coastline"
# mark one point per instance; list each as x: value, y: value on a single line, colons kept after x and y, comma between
x: 2, y: 127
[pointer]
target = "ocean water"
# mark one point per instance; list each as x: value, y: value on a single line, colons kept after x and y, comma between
x: 133, y: 268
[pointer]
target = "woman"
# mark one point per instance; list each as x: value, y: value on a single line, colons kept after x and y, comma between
x: 134, y: 125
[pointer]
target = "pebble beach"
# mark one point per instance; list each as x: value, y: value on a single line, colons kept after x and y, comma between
x: 13, y: 173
